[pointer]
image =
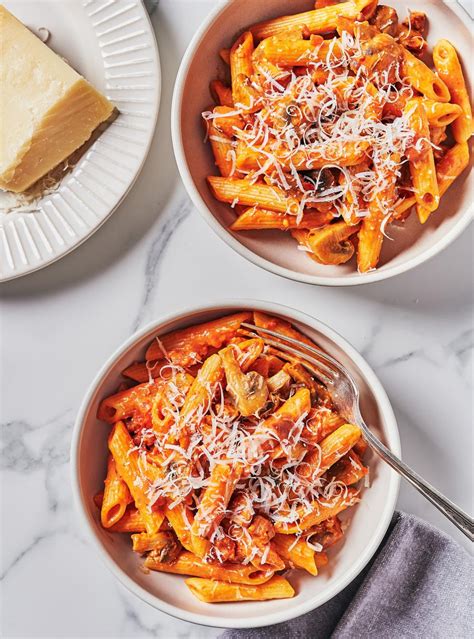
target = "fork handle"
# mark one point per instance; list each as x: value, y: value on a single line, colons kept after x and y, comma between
x: 457, y: 516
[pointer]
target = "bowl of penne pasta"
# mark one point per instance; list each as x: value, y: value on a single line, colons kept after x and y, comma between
x: 215, y: 476
x: 321, y: 145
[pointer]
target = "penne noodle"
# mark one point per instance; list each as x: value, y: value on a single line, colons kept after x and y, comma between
x: 189, y: 564
x: 296, y: 553
x: 448, y: 170
x: 116, y: 496
x: 418, y: 74
x: 452, y: 165
x: 131, y: 469
x: 308, y: 158
x: 421, y: 160
x: 202, y: 389
x: 284, y: 52
x: 211, y: 591
x: 321, y: 512
x: 145, y: 372
x: 191, y: 345
x: 163, y: 543
x: 221, y: 93
x: 228, y: 120
x: 241, y: 69
x: 124, y: 404
x: 332, y: 448
x: 318, y: 21
x: 380, y: 206
x: 181, y: 520
x: 449, y: 69
x: 131, y: 522
x: 223, y: 149
x: 441, y: 114
x: 423, y: 79
x: 213, y: 505
x: 337, y: 444
x: 232, y: 190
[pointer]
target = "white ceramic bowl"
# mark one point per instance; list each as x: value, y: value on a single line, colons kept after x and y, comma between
x: 273, y: 250
x: 369, y: 520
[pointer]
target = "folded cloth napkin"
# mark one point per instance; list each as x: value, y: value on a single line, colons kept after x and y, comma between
x: 419, y: 585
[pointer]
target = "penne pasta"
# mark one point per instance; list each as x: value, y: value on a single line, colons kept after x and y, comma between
x: 163, y: 544
x: 317, y: 21
x: 189, y: 564
x: 296, y: 553
x: 124, y: 404
x: 332, y: 448
x: 181, y: 520
x: 441, y: 114
x: 287, y: 52
x: 255, y: 218
x: 132, y: 471
x: 448, y: 170
x: 216, y: 497
x: 450, y: 71
x: 236, y: 191
x: 422, y: 164
x: 241, y: 69
x: 321, y: 511
x: 228, y: 120
x: 223, y: 149
x: 452, y: 165
x: 131, y: 522
x: 116, y: 496
x: 191, y: 345
x: 221, y: 93
x: 308, y: 158
x: 380, y: 207
x: 211, y: 591
x: 414, y: 70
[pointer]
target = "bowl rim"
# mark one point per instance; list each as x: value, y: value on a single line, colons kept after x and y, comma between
x: 353, y: 279
x: 391, y: 433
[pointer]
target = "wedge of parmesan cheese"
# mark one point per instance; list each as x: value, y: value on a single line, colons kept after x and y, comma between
x: 47, y: 110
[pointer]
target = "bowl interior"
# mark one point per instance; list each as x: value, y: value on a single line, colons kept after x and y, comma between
x: 168, y: 592
x: 412, y: 242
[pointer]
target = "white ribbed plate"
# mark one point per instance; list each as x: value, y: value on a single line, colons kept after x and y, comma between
x: 111, y: 43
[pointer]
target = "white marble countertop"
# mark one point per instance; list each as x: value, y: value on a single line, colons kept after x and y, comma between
x: 154, y: 256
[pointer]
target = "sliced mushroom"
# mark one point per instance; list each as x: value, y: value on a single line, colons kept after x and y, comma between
x: 385, y: 19
x: 331, y: 244
x: 278, y: 381
x: 249, y: 390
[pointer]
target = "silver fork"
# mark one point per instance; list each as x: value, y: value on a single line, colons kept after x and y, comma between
x: 345, y: 395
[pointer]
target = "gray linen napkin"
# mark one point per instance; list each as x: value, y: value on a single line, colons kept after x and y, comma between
x: 419, y: 585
